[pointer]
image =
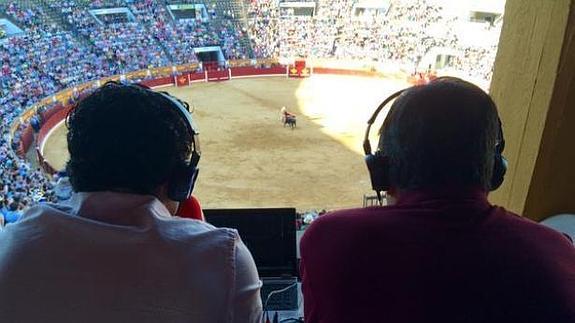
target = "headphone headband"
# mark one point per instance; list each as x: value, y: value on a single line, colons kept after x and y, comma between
x: 366, y: 143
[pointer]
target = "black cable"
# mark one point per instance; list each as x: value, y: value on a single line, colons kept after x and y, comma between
x: 275, y: 292
x: 292, y: 319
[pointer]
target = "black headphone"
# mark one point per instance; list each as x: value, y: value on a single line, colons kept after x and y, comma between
x: 183, y: 178
x: 378, y: 163
x: 181, y: 182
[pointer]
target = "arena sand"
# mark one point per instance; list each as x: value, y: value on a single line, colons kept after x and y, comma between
x: 250, y: 160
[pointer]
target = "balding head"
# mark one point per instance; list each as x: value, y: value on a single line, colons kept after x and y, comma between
x: 442, y: 133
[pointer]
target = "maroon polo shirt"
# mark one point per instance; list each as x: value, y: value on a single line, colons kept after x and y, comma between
x: 436, y: 257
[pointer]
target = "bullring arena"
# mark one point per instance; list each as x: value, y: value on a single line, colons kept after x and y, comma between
x: 249, y: 159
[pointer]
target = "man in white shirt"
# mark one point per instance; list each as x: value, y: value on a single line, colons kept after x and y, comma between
x: 114, y: 252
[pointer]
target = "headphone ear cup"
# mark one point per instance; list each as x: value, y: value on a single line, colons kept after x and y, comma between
x: 499, y: 170
x: 181, y: 183
x: 378, y: 168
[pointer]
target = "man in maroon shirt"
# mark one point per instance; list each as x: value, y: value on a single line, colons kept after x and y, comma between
x: 441, y: 252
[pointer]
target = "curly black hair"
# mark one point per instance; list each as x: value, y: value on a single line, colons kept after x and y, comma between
x: 442, y: 133
x: 125, y: 138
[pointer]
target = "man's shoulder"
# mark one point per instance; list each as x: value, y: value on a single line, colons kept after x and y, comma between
x: 198, y: 233
x: 531, y: 232
x: 47, y: 217
x: 493, y: 224
x: 41, y: 212
x: 185, y: 228
x: 347, y: 221
x: 355, y: 217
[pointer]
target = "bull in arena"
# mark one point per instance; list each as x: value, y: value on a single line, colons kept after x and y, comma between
x: 288, y: 119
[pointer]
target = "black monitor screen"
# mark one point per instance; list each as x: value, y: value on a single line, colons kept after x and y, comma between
x: 269, y: 234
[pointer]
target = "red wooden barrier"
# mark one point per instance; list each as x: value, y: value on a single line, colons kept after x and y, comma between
x: 51, y: 123
x: 222, y: 75
x: 272, y: 70
x: 323, y: 70
x: 58, y: 115
x: 253, y: 71
x: 26, y: 139
x: 50, y: 112
x: 199, y: 76
x: 159, y: 82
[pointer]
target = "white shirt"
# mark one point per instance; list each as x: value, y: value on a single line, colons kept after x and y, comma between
x: 115, y: 257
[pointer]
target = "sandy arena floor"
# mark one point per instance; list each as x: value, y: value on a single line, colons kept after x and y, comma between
x: 250, y: 160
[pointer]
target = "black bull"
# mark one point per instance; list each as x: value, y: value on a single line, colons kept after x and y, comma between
x: 290, y: 121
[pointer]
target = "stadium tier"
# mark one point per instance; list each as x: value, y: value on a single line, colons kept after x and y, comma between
x: 50, y: 45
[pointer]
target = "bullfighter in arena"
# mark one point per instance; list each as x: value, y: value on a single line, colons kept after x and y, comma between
x: 285, y: 114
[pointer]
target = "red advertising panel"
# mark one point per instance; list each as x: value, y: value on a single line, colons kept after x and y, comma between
x: 299, y: 69
x: 182, y: 80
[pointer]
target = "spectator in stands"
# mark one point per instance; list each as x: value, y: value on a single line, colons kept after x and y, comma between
x: 63, y: 188
x: 36, y: 123
x: 114, y: 252
x: 442, y: 252
x: 11, y: 215
x: 397, y: 35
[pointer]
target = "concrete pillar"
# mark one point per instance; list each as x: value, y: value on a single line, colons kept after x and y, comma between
x: 534, y: 87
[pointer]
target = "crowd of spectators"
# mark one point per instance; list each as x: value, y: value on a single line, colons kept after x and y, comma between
x: 180, y: 36
x: 113, y: 18
x: 400, y: 35
x: 21, y: 184
x: 97, y: 4
x: 124, y: 42
x: 35, y: 64
x: 264, y: 27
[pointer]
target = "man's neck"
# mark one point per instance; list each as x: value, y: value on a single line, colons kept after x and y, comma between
x: 443, y: 193
x: 116, y: 207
